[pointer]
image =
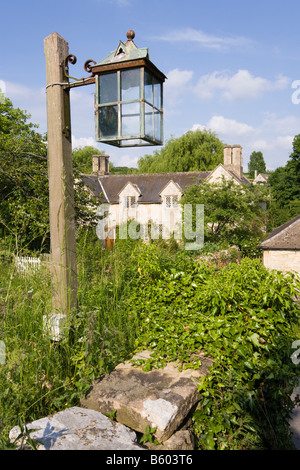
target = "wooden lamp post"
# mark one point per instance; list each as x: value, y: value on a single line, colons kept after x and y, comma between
x: 128, y: 113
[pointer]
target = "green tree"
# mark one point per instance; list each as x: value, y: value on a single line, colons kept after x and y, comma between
x: 285, y: 188
x: 24, y: 189
x: 122, y: 170
x: 194, y: 151
x: 232, y: 213
x: 82, y: 158
x: 82, y: 162
x: 24, y: 183
x: 256, y: 162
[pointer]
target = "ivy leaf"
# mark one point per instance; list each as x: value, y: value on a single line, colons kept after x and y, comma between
x: 255, y: 339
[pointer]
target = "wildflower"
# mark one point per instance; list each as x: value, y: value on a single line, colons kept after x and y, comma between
x: 47, y: 384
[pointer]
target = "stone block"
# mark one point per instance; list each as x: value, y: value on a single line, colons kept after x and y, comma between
x: 80, y: 429
x: 160, y: 398
x: 181, y: 440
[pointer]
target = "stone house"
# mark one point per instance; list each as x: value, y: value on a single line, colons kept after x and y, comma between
x: 261, y: 178
x: 153, y: 198
x: 281, y: 249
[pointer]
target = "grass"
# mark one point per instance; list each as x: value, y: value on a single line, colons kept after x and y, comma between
x: 41, y: 377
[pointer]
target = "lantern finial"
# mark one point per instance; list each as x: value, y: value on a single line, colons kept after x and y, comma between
x: 130, y: 35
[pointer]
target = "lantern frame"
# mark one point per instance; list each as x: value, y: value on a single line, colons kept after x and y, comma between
x: 128, y: 114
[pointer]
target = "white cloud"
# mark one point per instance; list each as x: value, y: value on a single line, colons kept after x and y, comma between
x: 266, y: 137
x: 17, y: 90
x: 288, y: 124
x: 285, y: 142
x: 176, y: 85
x: 2, y: 90
x: 260, y: 145
x: 79, y: 142
x: 276, y: 149
x: 127, y: 160
x: 198, y: 127
x: 226, y: 127
x: 241, y: 85
x: 222, y: 125
x: 281, y: 142
x: 205, y: 40
x: 31, y: 100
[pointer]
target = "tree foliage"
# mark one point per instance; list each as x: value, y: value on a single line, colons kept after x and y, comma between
x: 24, y: 183
x: 285, y: 187
x: 82, y: 158
x: 83, y: 162
x: 24, y: 189
x: 231, y: 212
x: 194, y: 151
x: 257, y: 163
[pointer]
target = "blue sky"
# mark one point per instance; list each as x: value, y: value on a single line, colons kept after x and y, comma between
x: 230, y: 65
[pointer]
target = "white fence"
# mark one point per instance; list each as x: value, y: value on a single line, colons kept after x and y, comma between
x: 28, y: 264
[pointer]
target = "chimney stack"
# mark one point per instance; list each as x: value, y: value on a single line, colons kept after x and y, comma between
x: 101, y: 165
x: 233, y: 159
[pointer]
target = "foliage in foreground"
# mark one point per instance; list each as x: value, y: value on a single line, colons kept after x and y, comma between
x: 146, y: 296
x: 241, y: 316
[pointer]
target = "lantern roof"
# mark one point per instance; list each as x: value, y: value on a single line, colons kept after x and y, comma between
x: 127, y: 54
x: 125, y: 51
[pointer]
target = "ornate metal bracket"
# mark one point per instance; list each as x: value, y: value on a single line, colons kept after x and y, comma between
x: 72, y: 59
x: 87, y: 65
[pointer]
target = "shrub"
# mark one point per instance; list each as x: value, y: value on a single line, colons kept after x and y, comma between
x: 242, y: 316
x: 140, y: 296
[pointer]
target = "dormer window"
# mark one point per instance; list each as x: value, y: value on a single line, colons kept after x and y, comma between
x: 130, y: 202
x: 171, y: 201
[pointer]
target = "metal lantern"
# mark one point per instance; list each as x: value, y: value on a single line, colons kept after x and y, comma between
x: 129, y: 97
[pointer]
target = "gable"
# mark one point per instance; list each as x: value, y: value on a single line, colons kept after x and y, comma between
x: 171, y: 189
x: 130, y: 190
x: 221, y: 172
x: 261, y: 178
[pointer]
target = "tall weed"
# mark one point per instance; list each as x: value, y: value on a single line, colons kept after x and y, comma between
x: 154, y: 296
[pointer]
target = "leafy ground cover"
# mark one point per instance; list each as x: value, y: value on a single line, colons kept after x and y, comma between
x: 241, y: 315
x: 157, y: 297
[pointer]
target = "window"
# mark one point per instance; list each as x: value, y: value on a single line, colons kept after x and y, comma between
x: 171, y: 201
x: 130, y: 202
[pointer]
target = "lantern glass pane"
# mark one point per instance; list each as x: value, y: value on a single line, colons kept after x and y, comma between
x: 131, y: 121
x: 152, y: 90
x: 130, y: 85
x: 157, y: 125
x: 148, y: 87
x: 108, y: 121
x: 108, y: 88
x: 157, y: 94
x: 149, y: 121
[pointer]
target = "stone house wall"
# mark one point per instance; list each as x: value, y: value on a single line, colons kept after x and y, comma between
x: 282, y: 260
